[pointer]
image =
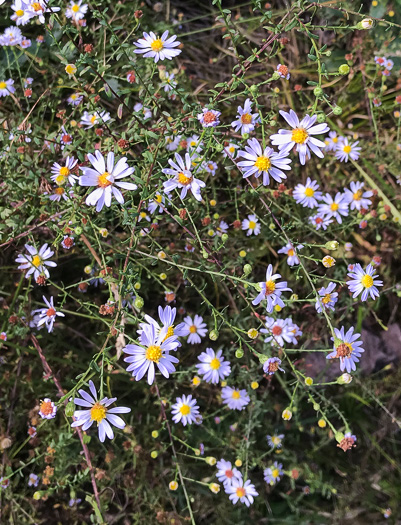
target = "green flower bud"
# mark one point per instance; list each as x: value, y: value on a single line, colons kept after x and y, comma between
x: 318, y: 91
x: 78, y: 230
x: 247, y: 269
x: 139, y: 302
x: 321, y: 117
x: 344, y: 69
x: 331, y: 245
x: 276, y: 75
x: 316, y: 406
x: 224, y: 237
x: 254, y: 89
x: 328, y: 53
x: 70, y: 409
x: 263, y: 359
x: 213, y: 335
x: 219, y: 147
x: 337, y: 110
x: 239, y: 353
x: 245, y: 136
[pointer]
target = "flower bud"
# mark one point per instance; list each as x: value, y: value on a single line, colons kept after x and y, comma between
x: 224, y: 237
x: 337, y: 110
x: 318, y: 91
x: 276, y: 75
x: 78, y: 230
x: 245, y: 136
x: 214, y: 487
x: 321, y: 117
x: 239, y: 353
x: 210, y: 460
x: 366, y: 23
x: 139, y: 302
x: 213, y: 335
x: 247, y: 269
x: 344, y: 379
x: 253, y: 333
x: 331, y: 245
x: 344, y: 69
x: 70, y: 409
x: 287, y: 414
x: 219, y: 147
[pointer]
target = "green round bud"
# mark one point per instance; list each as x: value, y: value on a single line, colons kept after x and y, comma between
x: 247, y: 269
x: 344, y: 69
x: 254, y: 89
x: 321, y: 117
x: 70, y: 409
x: 219, y: 147
x: 78, y: 230
x: 239, y: 353
x: 328, y: 53
x: 214, y: 335
x: 316, y: 406
x: 318, y: 91
x: 263, y: 359
x: 273, y: 123
x: 331, y: 245
x: 205, y: 254
x: 139, y: 302
x: 245, y: 136
x: 337, y: 110
x: 224, y: 237
x: 276, y: 75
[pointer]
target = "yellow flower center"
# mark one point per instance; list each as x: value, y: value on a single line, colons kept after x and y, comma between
x: 158, y: 198
x: 192, y: 329
x: 276, y: 440
x: 231, y: 149
x: 236, y: 394
x: 70, y: 69
x: 64, y: 171
x: 367, y: 281
x: 290, y: 252
x: 73, y: 96
x: 46, y: 408
x: 36, y: 6
x: 240, y: 492
x: 347, y: 149
x: 215, y: 363
x: 299, y: 135
x: 59, y: 191
x: 3, y: 85
x: 102, y: 180
x: 357, y: 195
x: 263, y: 163
x: 251, y: 225
x: 93, y: 119
x: 98, y: 412
x: 275, y: 473
x: 185, y: 410
x: 170, y: 333
x: 154, y: 353
x: 60, y: 180
x: 327, y: 298
x: 344, y: 350
x: 19, y: 12
x: 270, y: 287
x: 335, y: 140
x: 75, y: 8
x: 183, y: 179
x: 246, y: 118
x: 334, y: 206
x: 157, y: 45
x: 37, y: 261
x: 309, y: 192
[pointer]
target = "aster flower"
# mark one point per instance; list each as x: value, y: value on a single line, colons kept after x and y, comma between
x: 185, y: 410
x: 234, y: 398
x: 12, y: 36
x: 347, y: 442
x: 157, y: 203
x: 76, y: 10
x: 364, y: 281
x: 283, y: 71
x: 252, y: 225
x: 182, y: 177
x: 209, y: 118
x: 39, y: 8
x: 272, y: 474
x: 275, y: 441
x: 6, y: 87
x: 278, y: 330
x: 221, y: 228
x: 239, y: 490
x: 167, y: 320
x: 146, y: 112
x: 62, y: 173
x: 75, y: 99
x: 32, y: 433
x: 327, y: 298
x: 3, y: 336
x: 159, y: 48
x: 194, y: 145
x: 226, y: 472
x: 36, y: 261
x: 335, y: 208
x: 195, y: 329
x: 356, y: 197
x: 154, y: 351
x: 230, y: 150
x: 307, y: 194
x: 64, y: 138
x: 380, y: 61
x: 292, y: 258
x: 172, y: 142
x: 301, y: 136
x: 347, y: 348
x: 246, y: 121
x: 210, y: 167
x: 33, y: 480
x: 107, y: 180
x: 213, y: 366
x: 4, y: 482
x: 88, y: 120
x: 47, y: 316
x: 67, y: 242
x: 21, y: 14
x: 271, y: 291
x: 265, y: 162
x: 332, y: 141
x: 47, y: 409
x: 98, y: 410
x: 320, y: 221
x: 271, y: 366
x: 60, y: 193
x: 346, y: 151
x: 168, y: 82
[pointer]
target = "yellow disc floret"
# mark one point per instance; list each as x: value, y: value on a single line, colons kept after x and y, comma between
x: 102, y: 180
x: 215, y: 363
x: 157, y: 45
x: 263, y: 163
x: 270, y: 287
x: 367, y: 281
x: 299, y: 135
x: 185, y: 410
x: 98, y: 412
x: 154, y: 353
x: 309, y: 192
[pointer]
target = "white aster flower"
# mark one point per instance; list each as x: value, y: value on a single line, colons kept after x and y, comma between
x: 226, y: 472
x: 301, y: 136
x: 6, y: 87
x: 76, y: 10
x: 332, y: 141
x: 292, y: 258
x: 230, y: 150
x: 320, y: 221
x: 157, y: 202
x: 252, y: 225
x: 185, y: 410
x: 265, y: 162
x: 47, y: 316
x: 33, y: 480
x: 235, y: 398
x: 194, y: 145
x: 12, y: 36
x: 183, y: 177
x: 47, y: 409
x: 239, y: 490
x: 245, y: 119
x: 271, y: 291
x: 335, y: 208
x: 212, y: 366
x: 99, y: 411
x: 327, y: 298
x: 88, y: 120
x: 347, y: 348
x: 275, y: 441
x: 278, y: 330
x: 36, y: 261
x: 75, y: 99
x: 146, y: 112
x: 155, y: 350
x: 195, y: 329
x: 107, y: 180
x: 346, y: 151
x: 209, y: 118
x: 63, y: 173
x: 307, y: 194
x: 21, y: 14
x: 167, y: 320
x: 39, y: 8
x: 172, y: 142
x: 356, y: 197
x: 158, y: 48
x: 210, y: 167
x: 168, y: 82
x: 364, y: 281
